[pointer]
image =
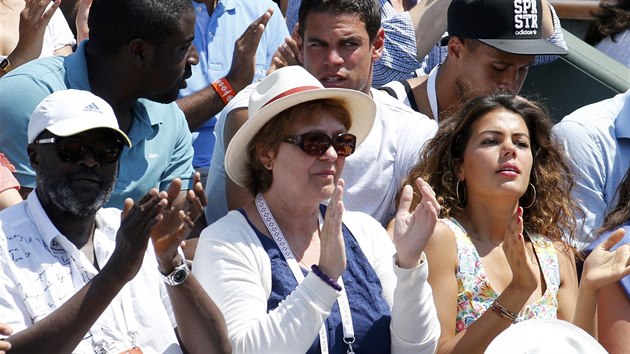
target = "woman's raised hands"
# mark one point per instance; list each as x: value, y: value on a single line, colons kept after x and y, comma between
x: 332, y: 256
x: 521, y: 262
x: 412, y: 230
x: 603, y: 267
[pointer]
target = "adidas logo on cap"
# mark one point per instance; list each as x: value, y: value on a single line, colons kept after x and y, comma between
x: 525, y: 17
x: 92, y: 107
x: 512, y: 26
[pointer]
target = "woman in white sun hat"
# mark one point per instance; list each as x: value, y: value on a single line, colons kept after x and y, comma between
x: 286, y: 270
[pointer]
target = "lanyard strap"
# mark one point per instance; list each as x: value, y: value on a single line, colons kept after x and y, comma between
x: 278, y: 237
x: 431, y: 92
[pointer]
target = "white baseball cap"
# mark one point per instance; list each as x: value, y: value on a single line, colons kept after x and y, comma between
x: 69, y: 112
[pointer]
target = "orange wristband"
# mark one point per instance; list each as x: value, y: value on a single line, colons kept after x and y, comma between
x: 224, y: 89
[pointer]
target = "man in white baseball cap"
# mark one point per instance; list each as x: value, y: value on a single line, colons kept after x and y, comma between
x: 80, y: 278
x: 70, y: 112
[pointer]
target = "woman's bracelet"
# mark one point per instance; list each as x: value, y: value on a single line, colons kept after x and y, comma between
x: 503, y: 312
x: 328, y: 280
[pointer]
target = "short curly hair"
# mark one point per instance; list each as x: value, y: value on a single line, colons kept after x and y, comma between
x: 552, y: 211
x: 269, y: 137
x: 114, y: 23
x: 369, y: 11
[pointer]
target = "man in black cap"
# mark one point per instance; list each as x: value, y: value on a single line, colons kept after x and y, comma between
x: 491, y: 46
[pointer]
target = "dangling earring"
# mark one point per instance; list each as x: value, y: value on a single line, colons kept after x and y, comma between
x: 533, y: 198
x: 457, y: 193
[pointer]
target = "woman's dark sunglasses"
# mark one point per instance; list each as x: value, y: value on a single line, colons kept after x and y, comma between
x: 73, y: 150
x: 316, y: 144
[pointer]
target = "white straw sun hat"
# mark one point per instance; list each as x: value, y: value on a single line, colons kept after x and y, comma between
x: 283, y: 89
x: 542, y: 336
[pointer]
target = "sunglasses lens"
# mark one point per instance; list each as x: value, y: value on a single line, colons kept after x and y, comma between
x: 344, y: 144
x: 69, y: 151
x: 73, y: 151
x: 315, y: 143
x: 107, y: 152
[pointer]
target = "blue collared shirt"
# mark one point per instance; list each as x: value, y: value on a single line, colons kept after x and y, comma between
x: 214, y: 39
x: 159, y: 133
x: 597, y: 140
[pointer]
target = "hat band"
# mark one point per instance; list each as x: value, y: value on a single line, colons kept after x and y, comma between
x: 292, y: 91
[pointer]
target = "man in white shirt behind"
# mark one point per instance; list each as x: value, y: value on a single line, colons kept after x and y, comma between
x: 340, y: 41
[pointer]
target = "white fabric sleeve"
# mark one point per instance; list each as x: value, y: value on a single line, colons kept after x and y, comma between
x: 13, y: 311
x: 59, y: 30
x: 411, y: 141
x: 414, y: 326
x: 233, y: 267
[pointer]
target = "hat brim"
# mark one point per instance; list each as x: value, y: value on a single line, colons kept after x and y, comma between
x: 525, y: 46
x: 75, y: 126
x: 544, y: 335
x: 360, y: 106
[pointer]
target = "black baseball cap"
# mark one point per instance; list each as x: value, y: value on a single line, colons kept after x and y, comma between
x: 513, y: 26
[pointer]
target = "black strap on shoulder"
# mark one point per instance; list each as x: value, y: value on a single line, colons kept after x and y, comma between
x: 390, y: 91
x: 409, y: 92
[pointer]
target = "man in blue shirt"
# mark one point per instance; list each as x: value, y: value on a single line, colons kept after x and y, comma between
x: 597, y: 140
x: 137, y: 59
x: 227, y: 61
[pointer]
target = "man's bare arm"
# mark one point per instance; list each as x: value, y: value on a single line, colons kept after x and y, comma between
x: 429, y: 22
x: 204, y: 104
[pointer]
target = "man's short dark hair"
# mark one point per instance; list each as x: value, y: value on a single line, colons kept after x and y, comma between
x: 470, y: 43
x: 114, y: 23
x: 369, y: 11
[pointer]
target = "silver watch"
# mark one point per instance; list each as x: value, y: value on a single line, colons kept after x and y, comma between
x: 177, y: 276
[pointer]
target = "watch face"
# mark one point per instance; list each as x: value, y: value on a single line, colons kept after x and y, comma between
x: 179, y: 276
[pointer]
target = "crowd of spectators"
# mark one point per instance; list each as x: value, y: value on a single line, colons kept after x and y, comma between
x: 306, y: 176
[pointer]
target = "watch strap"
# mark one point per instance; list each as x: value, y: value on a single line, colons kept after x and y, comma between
x: 5, y: 65
x: 177, y: 276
